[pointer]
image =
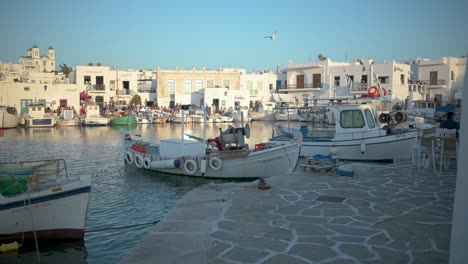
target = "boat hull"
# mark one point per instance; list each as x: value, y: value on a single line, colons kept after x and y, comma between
x: 247, y: 165
x: 53, y: 213
x: 95, y: 121
x: 8, y: 120
x: 378, y: 148
x: 39, y: 122
x: 228, y: 164
x: 123, y: 121
x: 262, y: 116
x: 72, y: 122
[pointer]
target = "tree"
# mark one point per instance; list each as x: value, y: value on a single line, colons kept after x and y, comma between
x: 136, y: 99
x: 65, y: 70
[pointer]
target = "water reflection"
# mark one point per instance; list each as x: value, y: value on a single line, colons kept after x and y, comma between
x: 120, y: 195
x: 65, y: 252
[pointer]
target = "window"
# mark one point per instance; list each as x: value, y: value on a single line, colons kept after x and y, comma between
x: 364, y: 79
x: 351, y: 119
x: 44, y: 63
x: 369, y: 118
x: 188, y: 86
x: 112, y: 85
x: 259, y: 85
x: 87, y: 80
x: 249, y: 85
x: 384, y: 79
x: 337, y: 81
x: 402, y: 78
x: 171, y: 86
x: 451, y: 75
x: 209, y: 84
x: 26, y: 89
x: 226, y: 83
x: 198, y: 84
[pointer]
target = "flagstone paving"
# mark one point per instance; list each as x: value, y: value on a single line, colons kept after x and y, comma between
x: 393, y: 213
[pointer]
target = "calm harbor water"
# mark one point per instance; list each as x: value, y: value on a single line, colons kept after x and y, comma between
x: 120, y: 195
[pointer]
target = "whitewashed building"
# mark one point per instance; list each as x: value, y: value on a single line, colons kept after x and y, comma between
x: 53, y: 95
x: 260, y: 86
x: 300, y: 82
x: 105, y: 84
x: 221, y: 99
x: 443, y: 78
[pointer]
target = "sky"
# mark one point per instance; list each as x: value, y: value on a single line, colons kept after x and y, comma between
x: 144, y: 34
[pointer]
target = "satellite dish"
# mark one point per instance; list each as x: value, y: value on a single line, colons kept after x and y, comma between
x: 321, y: 57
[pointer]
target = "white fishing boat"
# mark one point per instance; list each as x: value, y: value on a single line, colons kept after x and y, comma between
x: 37, y: 116
x: 8, y: 117
x: 39, y: 200
x: 265, y: 112
x: 198, y: 116
x: 177, y: 118
x: 225, y: 157
x: 422, y: 108
x: 91, y: 116
x: 68, y: 118
x: 142, y: 119
x: 355, y: 134
x: 287, y: 114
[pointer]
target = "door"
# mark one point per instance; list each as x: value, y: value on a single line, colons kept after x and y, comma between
x: 24, y: 105
x: 433, y: 78
x: 316, y: 80
x: 216, y: 105
x: 300, y: 81
x: 63, y: 103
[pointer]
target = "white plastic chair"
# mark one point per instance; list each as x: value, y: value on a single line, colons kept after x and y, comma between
x: 448, y: 151
x: 448, y: 146
x: 427, y: 151
x: 445, y: 132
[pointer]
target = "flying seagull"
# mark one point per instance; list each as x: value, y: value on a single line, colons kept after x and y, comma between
x: 272, y: 37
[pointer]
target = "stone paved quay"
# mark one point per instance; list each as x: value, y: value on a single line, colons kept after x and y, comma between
x: 391, y: 213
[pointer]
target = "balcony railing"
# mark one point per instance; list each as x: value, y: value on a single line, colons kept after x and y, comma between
x: 433, y: 82
x: 146, y: 90
x: 96, y: 88
x: 123, y: 92
x: 304, y: 86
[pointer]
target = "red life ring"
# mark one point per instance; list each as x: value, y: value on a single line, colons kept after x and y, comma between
x: 373, y: 91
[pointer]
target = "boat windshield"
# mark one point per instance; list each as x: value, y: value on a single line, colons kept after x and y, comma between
x: 369, y: 118
x: 352, y: 119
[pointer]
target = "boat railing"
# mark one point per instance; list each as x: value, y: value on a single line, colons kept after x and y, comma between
x: 41, y: 170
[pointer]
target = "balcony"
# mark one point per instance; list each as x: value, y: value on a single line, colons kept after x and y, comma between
x: 124, y: 92
x: 146, y: 90
x: 99, y: 88
x: 434, y: 84
x: 304, y: 87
